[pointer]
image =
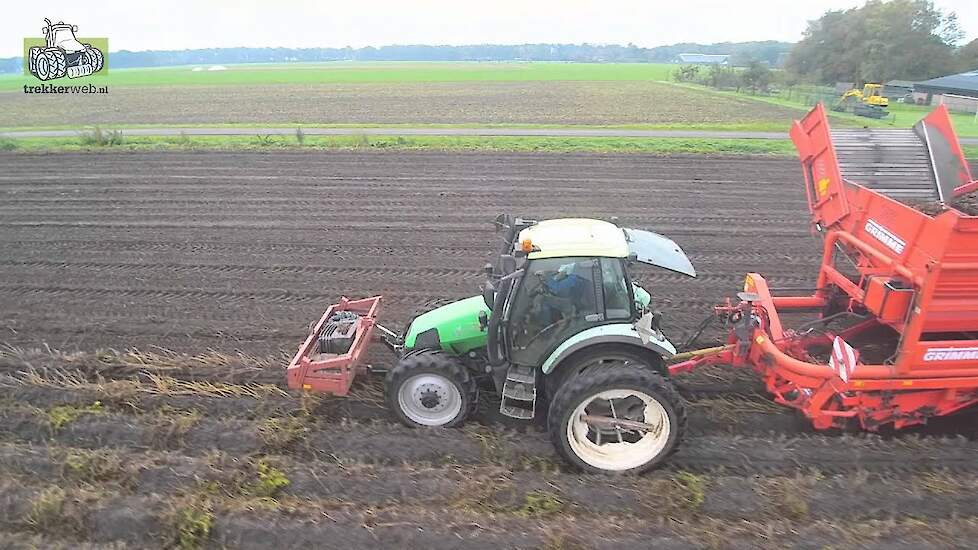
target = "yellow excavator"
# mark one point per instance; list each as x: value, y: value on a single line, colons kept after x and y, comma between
x: 868, y: 102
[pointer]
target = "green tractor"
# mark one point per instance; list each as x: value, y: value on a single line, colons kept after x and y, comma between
x: 562, y: 330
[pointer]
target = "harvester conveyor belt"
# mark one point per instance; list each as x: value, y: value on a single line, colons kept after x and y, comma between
x: 893, y: 162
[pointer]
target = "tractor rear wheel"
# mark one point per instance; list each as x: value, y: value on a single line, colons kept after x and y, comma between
x: 616, y: 419
x: 430, y: 389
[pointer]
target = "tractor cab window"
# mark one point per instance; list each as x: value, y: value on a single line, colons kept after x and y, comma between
x: 617, y: 299
x: 560, y: 297
x: 555, y: 300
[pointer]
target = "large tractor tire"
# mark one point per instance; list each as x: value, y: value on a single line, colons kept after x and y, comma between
x: 619, y: 419
x: 430, y: 389
x: 95, y: 57
x: 42, y: 67
x: 57, y: 62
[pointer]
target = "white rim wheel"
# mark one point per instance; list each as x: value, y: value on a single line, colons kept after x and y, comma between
x: 619, y: 449
x: 429, y: 399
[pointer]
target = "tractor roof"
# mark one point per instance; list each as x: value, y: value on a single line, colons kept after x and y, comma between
x: 575, y: 237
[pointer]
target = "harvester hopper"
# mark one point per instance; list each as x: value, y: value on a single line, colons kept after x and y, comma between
x: 895, y: 334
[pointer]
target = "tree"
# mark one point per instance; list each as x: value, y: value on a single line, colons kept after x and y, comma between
x: 899, y: 39
x: 756, y: 77
x: 687, y: 73
x: 968, y: 56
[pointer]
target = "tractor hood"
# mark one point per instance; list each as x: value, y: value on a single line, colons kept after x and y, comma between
x: 654, y: 249
x: 453, y: 327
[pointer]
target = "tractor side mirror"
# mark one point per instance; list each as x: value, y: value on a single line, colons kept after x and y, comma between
x: 44, y: 30
x: 74, y: 28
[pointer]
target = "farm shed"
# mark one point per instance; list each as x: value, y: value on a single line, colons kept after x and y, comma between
x: 962, y: 85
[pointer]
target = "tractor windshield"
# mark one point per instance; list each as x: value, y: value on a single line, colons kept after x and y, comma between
x: 64, y: 37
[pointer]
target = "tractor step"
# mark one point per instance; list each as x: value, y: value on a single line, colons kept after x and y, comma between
x: 516, y: 412
x: 519, y: 393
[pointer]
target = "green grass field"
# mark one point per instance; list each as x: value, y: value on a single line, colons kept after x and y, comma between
x: 417, y: 94
x: 902, y: 115
x: 441, y: 143
x: 352, y: 73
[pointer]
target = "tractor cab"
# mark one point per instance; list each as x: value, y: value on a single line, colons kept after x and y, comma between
x: 570, y: 276
x: 62, y: 35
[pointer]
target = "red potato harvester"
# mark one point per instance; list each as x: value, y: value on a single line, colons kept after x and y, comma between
x: 902, y: 280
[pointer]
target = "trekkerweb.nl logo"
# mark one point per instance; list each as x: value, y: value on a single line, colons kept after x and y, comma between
x: 60, y: 53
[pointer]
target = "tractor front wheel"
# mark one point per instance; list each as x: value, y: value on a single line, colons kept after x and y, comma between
x: 616, y: 419
x: 430, y: 389
x: 95, y: 57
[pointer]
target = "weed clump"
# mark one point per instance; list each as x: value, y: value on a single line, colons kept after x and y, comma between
x: 279, y: 434
x: 692, y: 489
x: 171, y: 425
x: 47, y: 509
x: 60, y: 416
x: 265, y: 140
x: 100, y: 138
x: 193, y: 524
x: 540, y: 503
x: 92, y: 466
x: 270, y: 481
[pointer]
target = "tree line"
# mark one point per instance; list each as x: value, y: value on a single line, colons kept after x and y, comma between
x: 770, y: 52
x: 881, y: 41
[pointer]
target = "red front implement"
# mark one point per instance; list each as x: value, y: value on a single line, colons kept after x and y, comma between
x: 910, y: 286
x: 333, y: 373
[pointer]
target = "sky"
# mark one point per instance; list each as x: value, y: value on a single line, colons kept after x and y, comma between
x: 186, y: 24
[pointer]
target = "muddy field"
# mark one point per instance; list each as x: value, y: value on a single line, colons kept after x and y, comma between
x: 147, y: 302
x: 552, y: 102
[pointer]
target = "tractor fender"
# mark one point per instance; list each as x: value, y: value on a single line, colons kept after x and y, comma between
x: 618, y: 333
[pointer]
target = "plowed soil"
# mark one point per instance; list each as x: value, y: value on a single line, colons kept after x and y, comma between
x: 148, y: 303
x: 549, y: 102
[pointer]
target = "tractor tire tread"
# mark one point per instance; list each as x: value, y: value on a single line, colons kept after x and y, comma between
x: 431, y: 360
x: 59, y: 64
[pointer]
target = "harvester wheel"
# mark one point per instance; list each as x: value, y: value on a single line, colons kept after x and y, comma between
x: 617, y: 419
x: 430, y: 388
